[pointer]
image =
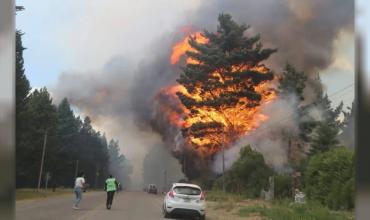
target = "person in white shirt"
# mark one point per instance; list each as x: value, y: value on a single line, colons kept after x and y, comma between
x: 79, y: 185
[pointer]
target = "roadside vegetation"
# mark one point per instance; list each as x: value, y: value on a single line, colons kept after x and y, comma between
x: 318, y: 165
x: 328, y: 183
x: 233, y: 206
x: 284, y: 210
x: 31, y: 193
x: 71, y: 143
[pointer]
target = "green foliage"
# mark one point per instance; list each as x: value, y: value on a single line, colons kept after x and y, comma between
x: 283, y: 186
x: 329, y: 178
x: 92, y: 154
x: 204, y: 182
x: 220, y: 196
x: 287, y: 211
x: 248, y: 175
x: 21, y: 99
x: 42, y: 111
x: 68, y: 125
x: 67, y: 132
x: 31, y: 193
x: 328, y: 115
x: 223, y: 200
x: 292, y: 82
x: 22, y: 83
x: 42, y: 117
x: 119, y: 165
x: 68, y: 139
x: 228, y: 52
x: 324, y: 138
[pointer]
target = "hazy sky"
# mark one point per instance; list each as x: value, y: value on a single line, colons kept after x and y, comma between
x: 83, y: 35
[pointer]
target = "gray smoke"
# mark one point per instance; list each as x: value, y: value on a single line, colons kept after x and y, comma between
x: 270, y: 139
x: 303, y: 31
x: 120, y: 97
x: 108, y: 96
x: 161, y: 168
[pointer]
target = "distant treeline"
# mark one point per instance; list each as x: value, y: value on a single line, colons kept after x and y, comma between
x: 72, y: 144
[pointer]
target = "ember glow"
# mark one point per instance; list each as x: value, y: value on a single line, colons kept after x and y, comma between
x: 226, y: 124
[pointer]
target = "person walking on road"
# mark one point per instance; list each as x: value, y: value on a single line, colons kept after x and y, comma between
x: 111, y: 186
x: 79, y: 185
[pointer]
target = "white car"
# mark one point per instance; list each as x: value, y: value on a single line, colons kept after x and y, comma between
x: 185, y: 199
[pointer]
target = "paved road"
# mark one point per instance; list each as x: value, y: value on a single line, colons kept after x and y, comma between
x: 126, y: 205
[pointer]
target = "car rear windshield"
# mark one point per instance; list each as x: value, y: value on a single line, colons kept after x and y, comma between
x: 186, y: 190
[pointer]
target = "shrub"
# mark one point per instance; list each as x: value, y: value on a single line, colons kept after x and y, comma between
x: 329, y: 178
x: 287, y: 211
x: 283, y: 186
x: 248, y: 175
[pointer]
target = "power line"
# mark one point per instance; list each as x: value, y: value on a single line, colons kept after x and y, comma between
x: 342, y: 89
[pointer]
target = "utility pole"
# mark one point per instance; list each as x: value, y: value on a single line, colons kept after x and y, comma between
x: 184, y: 164
x: 42, y: 160
x: 47, y: 177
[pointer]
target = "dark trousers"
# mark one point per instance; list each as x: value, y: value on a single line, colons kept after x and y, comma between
x: 110, y: 198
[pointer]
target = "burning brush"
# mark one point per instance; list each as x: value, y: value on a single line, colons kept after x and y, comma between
x: 221, y: 89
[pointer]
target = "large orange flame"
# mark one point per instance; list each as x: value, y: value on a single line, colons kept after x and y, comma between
x: 181, y: 47
x: 243, y: 119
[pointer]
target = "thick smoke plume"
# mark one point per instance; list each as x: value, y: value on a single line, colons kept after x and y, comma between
x: 271, y: 139
x: 121, y: 96
x: 303, y: 31
x: 107, y: 97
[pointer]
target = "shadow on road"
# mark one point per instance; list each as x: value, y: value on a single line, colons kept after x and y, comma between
x: 179, y: 217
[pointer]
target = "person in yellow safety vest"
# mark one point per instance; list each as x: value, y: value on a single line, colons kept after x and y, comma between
x: 111, y: 186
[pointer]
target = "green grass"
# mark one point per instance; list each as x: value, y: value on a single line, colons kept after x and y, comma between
x: 219, y: 196
x: 228, y: 205
x: 283, y: 210
x: 223, y: 200
x: 28, y: 193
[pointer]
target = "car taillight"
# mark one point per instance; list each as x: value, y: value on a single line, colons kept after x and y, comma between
x: 170, y: 194
x: 202, y: 196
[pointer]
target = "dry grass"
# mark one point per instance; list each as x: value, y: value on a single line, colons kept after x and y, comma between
x: 28, y: 193
x: 223, y: 206
x: 226, y: 206
x: 228, y: 211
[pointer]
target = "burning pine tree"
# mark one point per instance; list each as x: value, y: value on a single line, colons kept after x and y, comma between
x: 222, y: 86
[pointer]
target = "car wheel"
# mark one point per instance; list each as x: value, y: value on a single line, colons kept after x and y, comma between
x: 165, y: 213
x: 202, y: 217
